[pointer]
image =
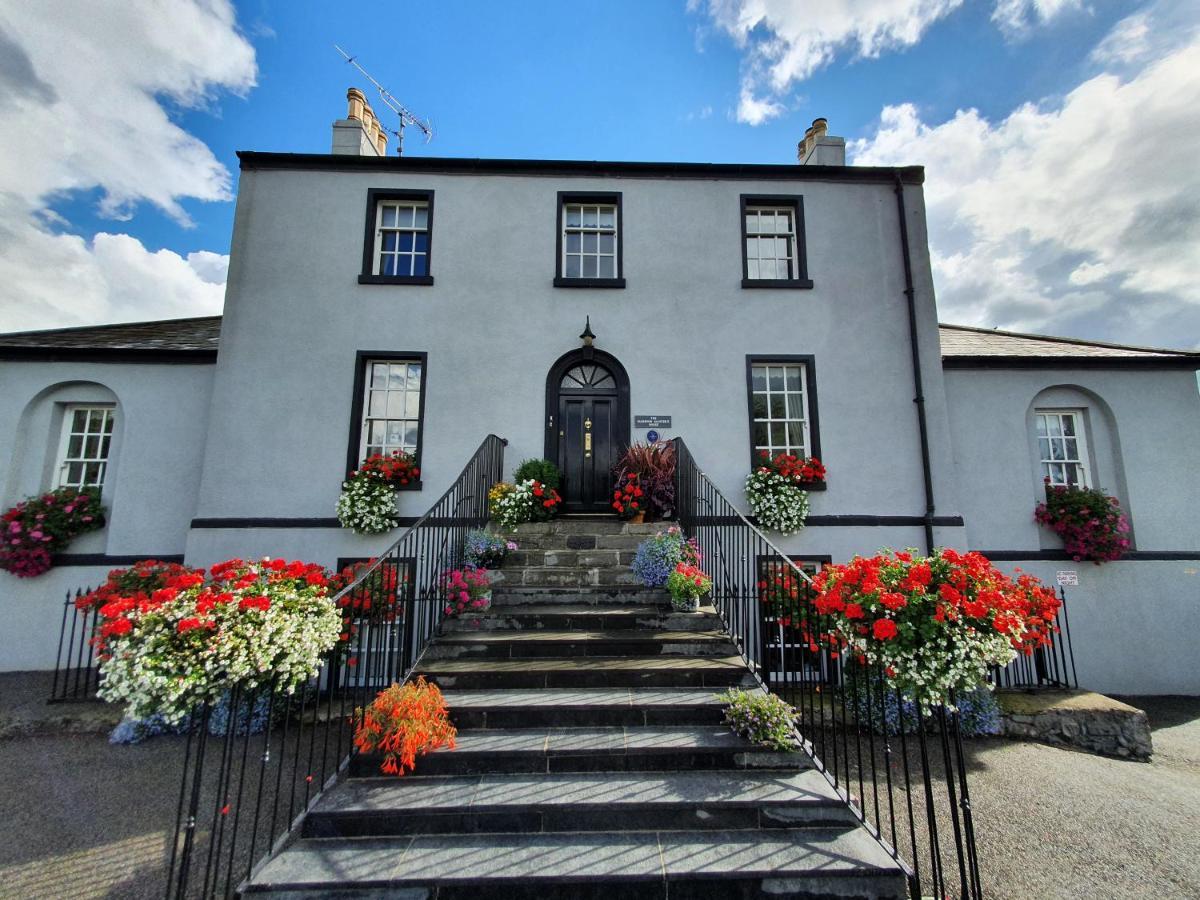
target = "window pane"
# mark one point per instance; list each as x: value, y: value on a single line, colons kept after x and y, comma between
x: 589, y: 267
x: 378, y: 432
x: 589, y: 243
x: 751, y: 223
x: 378, y: 404
x: 608, y: 217
x: 74, y: 447
x: 778, y: 409
x: 395, y: 405
x: 758, y: 378
x: 796, y: 436
x: 573, y: 216
x: 414, y: 376
x: 607, y: 267
x: 752, y: 270
x: 404, y: 217
x: 410, y: 435
x: 91, y: 447
x: 419, y: 265
x: 778, y: 434
x: 412, y: 405
x: 75, y: 473
x: 389, y: 216
x: 1055, y: 426
x: 607, y: 243
x: 396, y: 373
x: 760, y: 434
x: 406, y: 242
x: 1041, y: 427
x: 1068, y: 423
x: 395, y: 432
x: 574, y: 242
x: 572, y: 266
x: 751, y: 248
x: 108, y: 422
x: 79, y: 422
x: 793, y: 378
x: 379, y: 374
x: 421, y: 243
x: 590, y: 215
x: 1043, y: 448
x: 422, y: 217
x: 775, y: 377
x: 758, y: 406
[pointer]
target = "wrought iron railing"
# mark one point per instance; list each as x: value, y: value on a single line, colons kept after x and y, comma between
x: 901, y: 770
x: 1052, y: 666
x: 254, y: 765
x: 76, y: 673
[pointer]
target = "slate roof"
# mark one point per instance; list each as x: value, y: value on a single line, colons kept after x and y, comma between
x: 195, y: 337
x: 198, y: 338
x: 964, y: 343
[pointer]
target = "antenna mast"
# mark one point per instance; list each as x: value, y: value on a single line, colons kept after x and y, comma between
x: 406, y: 117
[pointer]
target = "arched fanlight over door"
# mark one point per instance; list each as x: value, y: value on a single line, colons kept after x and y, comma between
x: 588, y: 376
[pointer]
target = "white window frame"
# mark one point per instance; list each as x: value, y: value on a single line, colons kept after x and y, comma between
x: 1046, y: 462
x: 584, y: 230
x: 64, y: 460
x: 405, y: 392
x: 756, y: 238
x: 805, y: 419
x: 406, y: 259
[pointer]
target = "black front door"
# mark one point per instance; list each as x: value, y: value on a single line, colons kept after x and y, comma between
x: 587, y: 406
x: 587, y: 451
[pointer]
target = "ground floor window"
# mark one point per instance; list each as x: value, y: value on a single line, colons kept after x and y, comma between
x: 391, y: 419
x: 782, y: 397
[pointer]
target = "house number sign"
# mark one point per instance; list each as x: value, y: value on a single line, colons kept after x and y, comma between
x: 651, y: 421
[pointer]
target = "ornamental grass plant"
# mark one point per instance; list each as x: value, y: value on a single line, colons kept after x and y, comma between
x: 404, y: 722
x: 654, y: 468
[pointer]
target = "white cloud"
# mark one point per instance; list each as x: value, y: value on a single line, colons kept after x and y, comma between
x: 1016, y: 16
x: 1081, y: 216
x: 784, y: 42
x: 84, y: 91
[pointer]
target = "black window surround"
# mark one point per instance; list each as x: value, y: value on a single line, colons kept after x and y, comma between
x: 361, y: 359
x: 794, y: 203
x: 810, y: 387
x: 375, y: 196
x: 605, y: 197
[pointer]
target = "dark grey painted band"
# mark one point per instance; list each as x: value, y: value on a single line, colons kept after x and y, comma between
x: 566, y: 167
x: 404, y: 521
x: 1063, y: 556
x: 104, y: 559
x: 109, y: 355
x: 1183, y: 361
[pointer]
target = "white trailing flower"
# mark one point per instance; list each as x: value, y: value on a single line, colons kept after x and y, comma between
x: 367, y: 505
x: 777, y: 501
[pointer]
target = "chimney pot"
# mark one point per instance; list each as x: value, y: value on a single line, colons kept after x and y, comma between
x: 381, y: 142
x: 355, y: 101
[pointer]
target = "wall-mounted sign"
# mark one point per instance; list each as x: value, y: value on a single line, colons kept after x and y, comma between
x: 651, y: 421
x: 652, y: 436
x: 1067, y: 579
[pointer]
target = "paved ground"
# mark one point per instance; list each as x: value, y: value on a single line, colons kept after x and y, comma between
x: 81, y: 818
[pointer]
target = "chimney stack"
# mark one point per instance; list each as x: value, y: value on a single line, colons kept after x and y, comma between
x: 359, y: 133
x: 819, y: 148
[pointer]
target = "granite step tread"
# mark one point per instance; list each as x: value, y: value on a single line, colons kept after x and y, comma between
x: 822, y: 862
x: 585, y: 664
x: 583, y: 697
x: 584, y: 707
x: 554, y: 635
x: 366, y: 796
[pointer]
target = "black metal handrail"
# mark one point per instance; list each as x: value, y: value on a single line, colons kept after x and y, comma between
x: 76, y: 672
x: 913, y: 798
x: 246, y: 790
x: 1051, y: 666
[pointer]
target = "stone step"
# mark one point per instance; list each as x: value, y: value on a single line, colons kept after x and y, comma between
x: 564, y: 576
x: 584, y: 525
x: 571, y: 558
x: 474, y: 804
x: 584, y: 707
x: 573, y: 642
x: 659, y: 748
x: 578, y: 615
x: 509, y: 594
x: 578, y: 672
x: 574, y: 540
x: 633, y: 864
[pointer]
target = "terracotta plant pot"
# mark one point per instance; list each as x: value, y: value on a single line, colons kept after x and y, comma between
x: 638, y: 517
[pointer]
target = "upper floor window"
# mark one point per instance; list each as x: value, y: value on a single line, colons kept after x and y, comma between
x: 589, y: 240
x: 782, y: 393
x: 389, y: 406
x: 773, y: 252
x: 1062, y: 446
x: 84, y: 446
x: 397, y: 245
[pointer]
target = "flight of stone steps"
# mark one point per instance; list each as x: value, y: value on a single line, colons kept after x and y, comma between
x: 591, y: 760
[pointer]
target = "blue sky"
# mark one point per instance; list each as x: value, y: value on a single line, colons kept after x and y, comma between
x: 726, y: 80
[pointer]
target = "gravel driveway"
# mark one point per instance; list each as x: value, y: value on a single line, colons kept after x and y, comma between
x: 81, y: 818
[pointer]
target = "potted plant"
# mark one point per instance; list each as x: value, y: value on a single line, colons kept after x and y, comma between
x: 38, y: 527
x: 687, y: 584
x: 467, y: 590
x: 482, y: 550
x: 933, y: 626
x: 248, y: 625
x: 1089, y: 522
x: 404, y: 722
x: 367, y: 504
x: 777, y: 491
x: 657, y: 556
x: 629, y: 498
x: 510, y: 505
x: 654, y: 466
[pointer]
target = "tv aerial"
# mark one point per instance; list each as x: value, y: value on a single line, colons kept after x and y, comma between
x: 406, y: 117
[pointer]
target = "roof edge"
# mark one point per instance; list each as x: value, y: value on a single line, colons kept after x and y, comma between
x: 253, y: 160
x: 1079, y: 342
x: 76, y: 328
x: 107, y: 355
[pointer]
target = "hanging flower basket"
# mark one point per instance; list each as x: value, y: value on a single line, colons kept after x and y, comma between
x: 367, y: 504
x: 38, y: 527
x: 777, y: 491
